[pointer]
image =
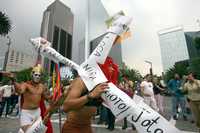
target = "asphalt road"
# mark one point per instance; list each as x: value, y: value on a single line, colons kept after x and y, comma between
x: 11, y: 124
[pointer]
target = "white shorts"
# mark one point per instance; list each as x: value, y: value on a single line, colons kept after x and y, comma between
x: 27, y: 117
x: 36, y: 127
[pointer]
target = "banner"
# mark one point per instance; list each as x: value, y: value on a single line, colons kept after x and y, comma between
x: 145, y: 119
x: 37, y: 127
x: 102, y: 50
x: 42, y: 46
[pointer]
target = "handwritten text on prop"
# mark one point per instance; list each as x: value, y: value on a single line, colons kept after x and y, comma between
x: 142, y: 116
x: 145, y: 119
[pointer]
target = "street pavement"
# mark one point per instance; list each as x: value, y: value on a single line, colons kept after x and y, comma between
x: 11, y: 124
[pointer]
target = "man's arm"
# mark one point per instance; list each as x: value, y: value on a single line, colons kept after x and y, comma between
x: 185, y: 89
x: 75, y: 101
x: 197, y: 83
x: 19, y: 87
x: 169, y: 86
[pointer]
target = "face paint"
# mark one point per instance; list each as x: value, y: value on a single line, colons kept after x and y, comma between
x: 36, y: 73
x: 36, y: 77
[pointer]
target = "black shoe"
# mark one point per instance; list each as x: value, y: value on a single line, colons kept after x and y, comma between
x: 175, y: 117
x: 133, y: 127
x: 124, y: 127
x: 192, y: 121
x: 110, y: 128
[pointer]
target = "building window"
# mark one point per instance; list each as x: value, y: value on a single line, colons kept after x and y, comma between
x: 12, y: 56
x: 55, y: 43
x: 22, y: 59
x: 55, y: 37
x: 63, y: 44
x: 69, y: 46
x: 17, y: 58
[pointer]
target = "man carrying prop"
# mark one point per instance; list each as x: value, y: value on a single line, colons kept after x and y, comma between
x: 80, y: 104
x: 142, y: 116
x: 32, y: 93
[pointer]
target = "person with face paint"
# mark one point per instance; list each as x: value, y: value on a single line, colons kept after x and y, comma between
x: 31, y: 92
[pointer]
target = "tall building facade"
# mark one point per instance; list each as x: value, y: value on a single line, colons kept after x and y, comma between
x: 192, y: 50
x: 18, y: 60
x: 57, y: 27
x: 97, y: 15
x: 173, y: 46
x: 59, y: 22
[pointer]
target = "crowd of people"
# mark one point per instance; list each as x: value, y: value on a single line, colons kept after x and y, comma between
x: 184, y: 93
x: 8, y: 99
x: 81, y: 106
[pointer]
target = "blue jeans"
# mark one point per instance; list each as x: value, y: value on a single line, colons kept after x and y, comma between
x: 176, y: 102
x: 103, y: 114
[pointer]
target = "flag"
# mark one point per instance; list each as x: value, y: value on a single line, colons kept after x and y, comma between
x: 57, y: 89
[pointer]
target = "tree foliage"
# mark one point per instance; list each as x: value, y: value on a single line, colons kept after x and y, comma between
x: 180, y: 68
x: 5, y: 24
x: 197, y: 42
x: 195, y: 66
x: 131, y: 74
x: 25, y: 75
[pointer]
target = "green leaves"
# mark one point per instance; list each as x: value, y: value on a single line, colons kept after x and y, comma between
x: 181, y: 68
x: 197, y: 42
x: 5, y: 24
x: 131, y: 74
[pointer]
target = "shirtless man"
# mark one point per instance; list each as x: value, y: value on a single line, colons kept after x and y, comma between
x: 80, y: 106
x: 32, y: 92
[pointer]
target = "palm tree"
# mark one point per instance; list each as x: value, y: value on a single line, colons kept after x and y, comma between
x: 5, y: 24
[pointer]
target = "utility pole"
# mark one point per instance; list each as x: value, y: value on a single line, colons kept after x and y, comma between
x: 7, y: 53
x: 151, y: 67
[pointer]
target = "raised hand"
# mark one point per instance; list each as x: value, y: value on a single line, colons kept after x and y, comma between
x: 98, y: 90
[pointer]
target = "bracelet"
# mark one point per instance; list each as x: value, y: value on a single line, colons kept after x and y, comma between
x: 89, y: 97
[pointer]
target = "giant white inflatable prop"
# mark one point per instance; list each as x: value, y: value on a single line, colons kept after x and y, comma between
x: 145, y: 119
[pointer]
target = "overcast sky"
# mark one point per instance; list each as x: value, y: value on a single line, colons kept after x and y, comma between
x: 149, y: 16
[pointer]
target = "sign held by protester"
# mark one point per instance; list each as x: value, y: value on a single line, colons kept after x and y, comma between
x: 145, y: 119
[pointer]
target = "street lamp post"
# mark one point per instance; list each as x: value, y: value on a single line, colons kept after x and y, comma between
x: 6, y: 55
x: 151, y: 67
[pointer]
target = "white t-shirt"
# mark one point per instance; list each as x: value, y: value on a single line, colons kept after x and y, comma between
x: 7, y: 90
x: 148, y: 87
